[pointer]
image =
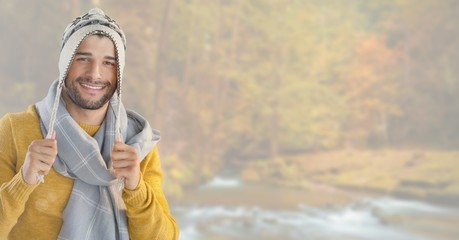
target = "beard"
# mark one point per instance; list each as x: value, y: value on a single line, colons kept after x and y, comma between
x: 72, y: 91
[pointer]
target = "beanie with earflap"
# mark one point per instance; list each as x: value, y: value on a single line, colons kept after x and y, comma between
x: 91, y: 23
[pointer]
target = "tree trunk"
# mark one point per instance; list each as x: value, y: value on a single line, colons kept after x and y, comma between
x: 160, y: 65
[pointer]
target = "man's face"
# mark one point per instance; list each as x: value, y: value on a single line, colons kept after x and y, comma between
x: 92, y: 76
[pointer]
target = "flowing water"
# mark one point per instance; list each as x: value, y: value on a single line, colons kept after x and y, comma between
x: 228, y: 209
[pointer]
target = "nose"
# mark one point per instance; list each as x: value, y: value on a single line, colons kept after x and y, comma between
x: 94, y: 71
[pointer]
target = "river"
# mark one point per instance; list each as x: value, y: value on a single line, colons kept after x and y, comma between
x: 226, y: 208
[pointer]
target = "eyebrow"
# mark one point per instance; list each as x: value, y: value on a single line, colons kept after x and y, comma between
x: 90, y: 54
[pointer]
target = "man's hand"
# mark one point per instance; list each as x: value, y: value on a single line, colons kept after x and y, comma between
x: 39, y: 159
x: 126, y: 164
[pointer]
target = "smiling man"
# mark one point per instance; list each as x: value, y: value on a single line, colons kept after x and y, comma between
x: 92, y: 79
x: 94, y: 69
x: 77, y: 164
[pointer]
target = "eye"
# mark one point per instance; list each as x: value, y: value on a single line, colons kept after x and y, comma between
x: 82, y: 59
x: 110, y: 63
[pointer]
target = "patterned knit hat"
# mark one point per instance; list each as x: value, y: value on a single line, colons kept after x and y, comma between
x: 93, y: 22
x: 93, y: 17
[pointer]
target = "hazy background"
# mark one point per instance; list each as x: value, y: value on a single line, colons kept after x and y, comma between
x: 293, y: 119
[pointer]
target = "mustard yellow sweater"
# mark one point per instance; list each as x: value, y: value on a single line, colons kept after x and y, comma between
x: 35, y: 211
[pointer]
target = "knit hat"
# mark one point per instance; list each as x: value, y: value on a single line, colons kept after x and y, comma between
x: 93, y: 22
x: 93, y: 17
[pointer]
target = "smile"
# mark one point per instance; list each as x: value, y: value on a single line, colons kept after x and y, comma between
x: 91, y: 86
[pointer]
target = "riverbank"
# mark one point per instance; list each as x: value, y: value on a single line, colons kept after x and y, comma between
x: 430, y: 176
x: 269, y: 196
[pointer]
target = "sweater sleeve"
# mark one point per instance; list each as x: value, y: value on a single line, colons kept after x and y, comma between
x: 148, y: 212
x: 14, y: 191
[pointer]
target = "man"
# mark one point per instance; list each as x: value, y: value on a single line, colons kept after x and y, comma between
x: 77, y: 165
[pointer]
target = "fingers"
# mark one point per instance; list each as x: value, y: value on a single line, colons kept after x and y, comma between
x: 41, y: 167
x: 124, y: 156
x: 43, y: 148
x: 129, y: 172
x: 40, y: 157
x: 39, y: 163
x: 119, y: 146
x: 126, y: 164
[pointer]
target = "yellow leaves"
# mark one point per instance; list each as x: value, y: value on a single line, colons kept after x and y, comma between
x: 370, y: 87
x: 250, y: 175
x: 374, y: 51
x: 177, y: 175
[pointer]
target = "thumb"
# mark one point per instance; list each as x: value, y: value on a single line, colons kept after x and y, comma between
x: 118, y: 141
x: 120, y: 138
x: 53, y: 135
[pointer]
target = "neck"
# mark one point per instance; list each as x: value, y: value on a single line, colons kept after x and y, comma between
x: 86, y: 116
x: 89, y: 117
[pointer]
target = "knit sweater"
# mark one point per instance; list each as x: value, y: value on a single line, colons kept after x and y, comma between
x: 35, y: 211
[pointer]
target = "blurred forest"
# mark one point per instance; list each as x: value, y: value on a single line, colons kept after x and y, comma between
x: 232, y: 81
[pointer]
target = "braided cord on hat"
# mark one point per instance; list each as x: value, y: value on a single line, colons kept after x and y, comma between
x: 120, y: 183
x: 118, y: 111
x: 54, y: 111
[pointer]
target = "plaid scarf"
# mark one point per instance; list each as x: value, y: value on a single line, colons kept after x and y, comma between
x: 95, y: 209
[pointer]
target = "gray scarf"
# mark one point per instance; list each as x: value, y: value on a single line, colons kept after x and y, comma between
x: 95, y: 209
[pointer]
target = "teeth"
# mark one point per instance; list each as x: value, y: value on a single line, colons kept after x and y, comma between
x: 91, y: 87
